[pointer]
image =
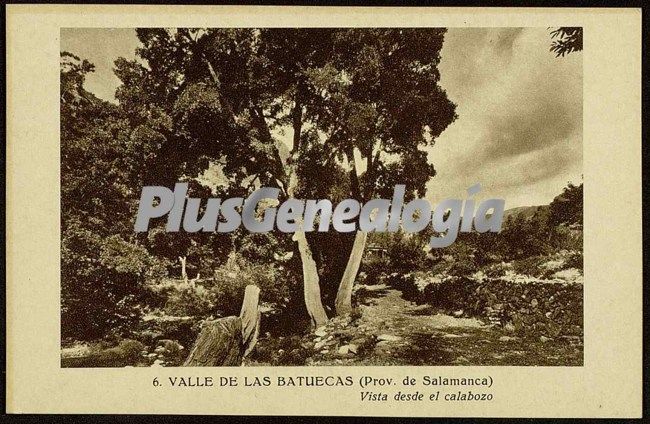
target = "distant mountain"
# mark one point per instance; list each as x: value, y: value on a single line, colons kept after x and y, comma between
x: 526, y: 212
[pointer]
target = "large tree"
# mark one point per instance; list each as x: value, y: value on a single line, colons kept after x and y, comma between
x: 103, y: 268
x: 366, y: 99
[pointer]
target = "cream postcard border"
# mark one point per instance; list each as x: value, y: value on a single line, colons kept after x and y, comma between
x: 608, y: 385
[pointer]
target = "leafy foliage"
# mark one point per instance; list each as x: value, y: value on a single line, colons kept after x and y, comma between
x: 566, y: 40
x: 103, y: 267
x: 360, y: 103
x: 567, y: 207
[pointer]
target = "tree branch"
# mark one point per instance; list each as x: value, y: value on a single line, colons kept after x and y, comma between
x: 355, y: 187
x: 296, y: 117
x: 370, y: 171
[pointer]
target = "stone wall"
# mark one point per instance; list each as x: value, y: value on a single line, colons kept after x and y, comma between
x: 538, y: 308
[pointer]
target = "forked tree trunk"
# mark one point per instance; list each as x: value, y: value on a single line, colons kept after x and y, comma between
x: 311, y: 283
x: 310, y: 275
x: 226, y: 341
x: 344, y: 294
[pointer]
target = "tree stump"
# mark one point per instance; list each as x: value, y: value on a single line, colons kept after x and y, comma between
x: 250, y: 318
x: 218, y: 344
x: 225, y: 341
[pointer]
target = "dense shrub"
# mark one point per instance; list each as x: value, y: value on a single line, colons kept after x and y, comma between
x: 102, y: 283
x: 463, y: 266
x: 226, y: 289
x: 575, y: 260
x: 406, y: 253
x: 497, y: 270
x: 529, y: 266
x: 189, y: 299
x: 374, y: 267
x: 567, y: 207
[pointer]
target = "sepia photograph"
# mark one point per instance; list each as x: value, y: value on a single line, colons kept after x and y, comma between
x: 324, y: 211
x: 351, y: 116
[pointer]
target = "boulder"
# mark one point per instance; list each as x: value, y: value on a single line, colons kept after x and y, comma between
x: 388, y: 338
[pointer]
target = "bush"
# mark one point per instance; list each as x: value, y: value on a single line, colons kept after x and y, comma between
x: 102, y: 282
x: 226, y: 290
x: 406, y: 254
x: 374, y: 267
x: 575, y: 260
x: 189, y: 299
x: 463, y: 266
x: 530, y: 266
x: 497, y: 270
x: 567, y: 238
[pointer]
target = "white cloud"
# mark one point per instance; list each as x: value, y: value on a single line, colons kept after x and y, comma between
x: 519, y: 126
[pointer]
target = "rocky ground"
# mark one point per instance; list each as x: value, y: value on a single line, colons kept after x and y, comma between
x: 393, y: 331
x: 386, y: 329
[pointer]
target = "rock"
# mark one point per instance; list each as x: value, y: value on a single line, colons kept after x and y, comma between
x: 321, y: 331
x: 510, y: 327
x: 344, y: 350
x: 319, y: 344
x: 382, y: 346
x: 544, y: 339
x: 451, y: 336
x: 458, y: 313
x: 358, y: 341
x: 353, y: 348
x: 324, y: 351
x: 388, y: 338
x: 506, y: 338
x: 534, y: 303
x: 152, y: 355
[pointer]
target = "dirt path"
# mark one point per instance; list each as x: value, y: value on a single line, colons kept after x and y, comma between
x: 410, y: 334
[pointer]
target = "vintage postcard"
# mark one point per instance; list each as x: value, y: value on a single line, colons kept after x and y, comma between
x: 324, y: 211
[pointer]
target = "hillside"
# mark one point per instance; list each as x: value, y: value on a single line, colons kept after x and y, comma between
x: 526, y: 212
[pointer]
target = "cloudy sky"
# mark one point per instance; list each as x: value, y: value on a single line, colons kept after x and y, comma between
x: 519, y: 126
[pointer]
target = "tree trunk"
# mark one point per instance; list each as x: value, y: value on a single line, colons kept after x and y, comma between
x: 183, y: 260
x: 250, y: 318
x: 344, y: 294
x: 311, y: 283
x: 219, y: 344
x: 226, y: 341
